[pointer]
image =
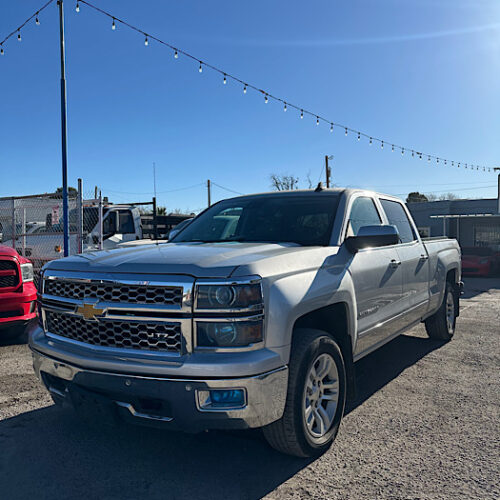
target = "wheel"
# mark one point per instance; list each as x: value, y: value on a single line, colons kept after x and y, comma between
x: 441, y: 325
x: 315, y: 397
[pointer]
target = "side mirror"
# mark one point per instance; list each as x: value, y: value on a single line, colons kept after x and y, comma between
x: 372, y: 236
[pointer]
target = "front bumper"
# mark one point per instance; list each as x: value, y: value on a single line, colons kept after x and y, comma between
x: 18, y: 306
x: 169, y: 402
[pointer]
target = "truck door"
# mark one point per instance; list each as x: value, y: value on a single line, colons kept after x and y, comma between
x: 377, y: 279
x: 414, y: 263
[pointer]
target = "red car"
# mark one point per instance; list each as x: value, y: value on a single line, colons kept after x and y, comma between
x: 478, y: 261
x: 17, y: 292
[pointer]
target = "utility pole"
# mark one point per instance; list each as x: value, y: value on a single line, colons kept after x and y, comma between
x: 209, y: 193
x: 328, y: 171
x: 64, y: 132
x: 154, y: 178
x: 497, y: 169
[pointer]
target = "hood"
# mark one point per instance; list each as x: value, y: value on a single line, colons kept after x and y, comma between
x: 8, y: 251
x: 201, y: 260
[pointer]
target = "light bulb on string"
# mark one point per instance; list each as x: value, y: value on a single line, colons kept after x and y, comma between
x: 284, y: 107
x: 77, y: 7
x: 200, y: 69
x: 245, y: 88
x: 317, y: 121
x: 176, y: 54
x: 428, y: 158
x: 445, y: 162
x: 346, y: 131
x: 266, y: 99
x: 382, y: 145
x: 359, y: 136
x: 459, y: 165
x: 2, y: 52
x: 18, y: 36
x: 301, y: 114
x: 412, y: 153
x: 452, y: 163
x: 402, y: 151
x: 331, y: 127
x: 37, y: 21
x: 392, y: 149
x: 146, y: 41
x: 437, y: 160
x: 113, y: 26
x: 225, y: 80
x: 371, y: 141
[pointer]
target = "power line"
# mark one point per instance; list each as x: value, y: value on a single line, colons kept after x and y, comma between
x: 286, y: 104
x: 460, y: 189
x: 18, y: 29
x: 152, y: 192
x: 227, y: 189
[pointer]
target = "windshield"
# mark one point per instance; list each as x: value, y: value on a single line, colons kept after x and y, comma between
x: 305, y: 220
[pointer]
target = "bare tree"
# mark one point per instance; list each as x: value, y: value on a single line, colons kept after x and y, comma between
x: 281, y: 182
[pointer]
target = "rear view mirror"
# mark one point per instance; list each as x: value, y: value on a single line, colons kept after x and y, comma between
x: 372, y: 236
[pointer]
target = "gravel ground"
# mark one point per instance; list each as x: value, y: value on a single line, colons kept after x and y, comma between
x: 426, y: 426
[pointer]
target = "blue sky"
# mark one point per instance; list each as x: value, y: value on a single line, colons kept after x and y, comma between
x: 420, y: 73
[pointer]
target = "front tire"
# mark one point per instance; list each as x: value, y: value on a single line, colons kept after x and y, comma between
x: 441, y: 325
x: 315, y: 398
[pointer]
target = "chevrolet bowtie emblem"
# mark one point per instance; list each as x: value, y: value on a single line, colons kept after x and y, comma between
x: 89, y: 311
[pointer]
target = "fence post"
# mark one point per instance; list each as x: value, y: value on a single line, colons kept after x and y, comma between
x: 79, y: 209
x: 13, y: 213
x: 100, y: 220
x: 155, y: 220
x: 23, y: 228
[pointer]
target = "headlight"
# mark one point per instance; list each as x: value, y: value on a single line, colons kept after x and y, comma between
x: 229, y: 333
x: 27, y: 272
x: 234, y: 296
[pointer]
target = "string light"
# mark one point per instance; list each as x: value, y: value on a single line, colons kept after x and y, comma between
x: 412, y: 153
x: 267, y: 96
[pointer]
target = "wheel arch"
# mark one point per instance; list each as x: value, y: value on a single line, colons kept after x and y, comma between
x: 335, y: 320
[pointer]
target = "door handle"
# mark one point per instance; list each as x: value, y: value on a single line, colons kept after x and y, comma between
x: 424, y: 257
x: 395, y: 263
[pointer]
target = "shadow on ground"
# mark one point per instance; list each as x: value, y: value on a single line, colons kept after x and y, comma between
x: 476, y: 286
x: 49, y: 453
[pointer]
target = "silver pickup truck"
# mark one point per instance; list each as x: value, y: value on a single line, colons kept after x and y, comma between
x: 254, y: 315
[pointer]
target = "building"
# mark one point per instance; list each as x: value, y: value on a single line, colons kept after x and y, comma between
x: 474, y: 223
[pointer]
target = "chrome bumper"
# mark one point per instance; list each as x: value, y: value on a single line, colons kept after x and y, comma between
x: 171, y: 402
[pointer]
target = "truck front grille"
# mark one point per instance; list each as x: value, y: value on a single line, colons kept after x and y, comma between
x: 147, y: 335
x: 119, y: 293
x: 9, y: 276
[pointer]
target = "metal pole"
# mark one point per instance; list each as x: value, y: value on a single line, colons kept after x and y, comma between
x: 209, y: 193
x: 13, y: 214
x: 327, y: 172
x: 155, y: 220
x: 64, y: 132
x: 100, y: 221
x: 24, y: 233
x: 79, y: 209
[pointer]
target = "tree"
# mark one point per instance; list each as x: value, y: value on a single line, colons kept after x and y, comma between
x: 416, y: 197
x: 281, y: 182
x: 161, y: 210
x: 72, y: 192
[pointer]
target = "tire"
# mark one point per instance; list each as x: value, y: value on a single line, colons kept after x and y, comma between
x: 313, y: 352
x: 441, y: 325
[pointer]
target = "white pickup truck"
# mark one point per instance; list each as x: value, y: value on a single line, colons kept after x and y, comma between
x: 254, y: 315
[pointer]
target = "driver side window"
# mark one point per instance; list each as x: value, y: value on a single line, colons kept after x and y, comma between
x: 363, y: 213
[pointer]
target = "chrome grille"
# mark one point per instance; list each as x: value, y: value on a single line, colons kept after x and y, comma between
x: 147, y: 336
x: 119, y: 293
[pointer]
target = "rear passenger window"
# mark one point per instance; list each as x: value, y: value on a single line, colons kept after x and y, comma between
x: 397, y: 217
x: 363, y: 213
x: 126, y: 225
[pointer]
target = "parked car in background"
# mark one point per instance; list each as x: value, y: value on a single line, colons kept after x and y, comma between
x: 17, y: 292
x: 177, y: 229
x: 252, y: 316
x: 479, y: 261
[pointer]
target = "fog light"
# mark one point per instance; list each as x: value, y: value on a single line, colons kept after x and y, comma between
x: 222, y: 399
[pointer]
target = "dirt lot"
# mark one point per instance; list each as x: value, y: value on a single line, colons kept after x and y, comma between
x: 426, y: 425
